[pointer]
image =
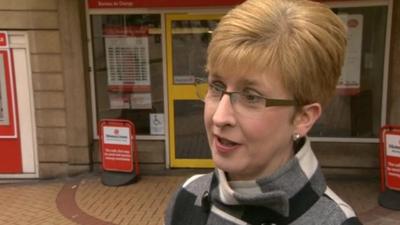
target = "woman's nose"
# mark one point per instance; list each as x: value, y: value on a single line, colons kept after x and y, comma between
x: 224, y: 114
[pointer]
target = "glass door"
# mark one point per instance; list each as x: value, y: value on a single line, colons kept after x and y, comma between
x: 187, y: 40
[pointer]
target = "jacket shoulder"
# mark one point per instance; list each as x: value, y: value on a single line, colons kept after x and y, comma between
x: 187, y: 200
x: 198, y: 183
x: 341, y: 213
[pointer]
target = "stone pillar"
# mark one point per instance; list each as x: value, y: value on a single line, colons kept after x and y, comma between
x: 72, y: 23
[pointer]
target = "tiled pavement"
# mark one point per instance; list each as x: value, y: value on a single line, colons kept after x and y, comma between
x: 84, y: 200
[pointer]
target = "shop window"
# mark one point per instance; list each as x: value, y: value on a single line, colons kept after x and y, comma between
x: 355, y: 112
x: 128, y: 70
x: 189, y: 47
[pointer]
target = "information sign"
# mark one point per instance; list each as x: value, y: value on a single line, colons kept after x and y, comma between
x: 390, y: 167
x: 349, y: 81
x: 118, y: 145
x: 392, y: 160
x: 159, y: 3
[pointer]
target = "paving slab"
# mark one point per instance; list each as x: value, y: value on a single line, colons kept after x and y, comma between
x: 84, y: 200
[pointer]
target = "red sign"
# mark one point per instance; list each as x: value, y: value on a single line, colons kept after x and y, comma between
x: 118, y: 145
x: 132, y: 31
x: 159, y: 3
x: 392, y: 159
x: 8, y: 118
x: 93, y: 4
x: 10, y: 146
x: 3, y: 39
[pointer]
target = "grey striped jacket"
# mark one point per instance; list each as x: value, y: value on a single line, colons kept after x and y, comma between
x: 296, y: 194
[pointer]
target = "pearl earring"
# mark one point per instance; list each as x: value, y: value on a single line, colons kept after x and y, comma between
x: 296, y: 136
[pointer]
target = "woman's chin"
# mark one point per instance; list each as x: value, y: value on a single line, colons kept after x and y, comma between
x: 227, y: 166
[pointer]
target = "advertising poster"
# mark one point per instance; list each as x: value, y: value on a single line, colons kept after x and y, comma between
x: 349, y: 81
x: 119, y: 101
x: 128, y: 68
x: 141, y: 101
x: 393, y: 161
x: 117, y: 149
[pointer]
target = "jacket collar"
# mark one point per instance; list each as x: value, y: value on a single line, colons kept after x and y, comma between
x: 293, y: 187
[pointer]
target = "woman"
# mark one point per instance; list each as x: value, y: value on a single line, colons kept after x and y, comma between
x: 272, y: 67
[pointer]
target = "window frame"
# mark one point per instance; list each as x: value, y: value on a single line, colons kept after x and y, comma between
x: 217, y: 10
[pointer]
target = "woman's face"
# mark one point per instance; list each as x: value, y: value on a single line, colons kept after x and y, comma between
x: 249, y: 147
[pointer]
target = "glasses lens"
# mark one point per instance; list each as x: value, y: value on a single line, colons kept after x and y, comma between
x: 244, y: 104
x: 201, y: 86
x: 248, y: 105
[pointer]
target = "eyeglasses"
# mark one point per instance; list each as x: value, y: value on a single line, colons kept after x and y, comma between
x: 243, y: 102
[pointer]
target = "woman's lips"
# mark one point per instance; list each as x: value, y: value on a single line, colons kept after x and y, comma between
x: 224, y: 145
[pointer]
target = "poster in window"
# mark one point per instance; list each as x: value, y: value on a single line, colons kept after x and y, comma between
x: 349, y: 81
x: 127, y: 54
x: 141, y: 101
x: 157, y: 123
x: 119, y: 100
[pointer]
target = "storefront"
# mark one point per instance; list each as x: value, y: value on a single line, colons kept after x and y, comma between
x: 146, y: 55
x: 43, y: 123
x: 70, y: 63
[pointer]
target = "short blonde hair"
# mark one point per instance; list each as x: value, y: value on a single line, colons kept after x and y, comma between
x: 304, y: 40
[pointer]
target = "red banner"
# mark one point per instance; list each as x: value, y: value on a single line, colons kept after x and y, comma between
x: 159, y: 3
x: 131, y: 31
x: 95, y: 4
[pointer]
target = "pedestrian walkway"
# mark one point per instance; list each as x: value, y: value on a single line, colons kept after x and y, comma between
x: 84, y: 200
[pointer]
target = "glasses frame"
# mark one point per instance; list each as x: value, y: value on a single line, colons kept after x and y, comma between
x: 269, y: 102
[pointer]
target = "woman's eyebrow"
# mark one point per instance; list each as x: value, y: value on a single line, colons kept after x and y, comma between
x: 215, y: 75
x: 249, y: 82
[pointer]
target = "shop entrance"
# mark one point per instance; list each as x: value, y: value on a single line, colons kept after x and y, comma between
x: 17, y: 145
x: 187, y: 40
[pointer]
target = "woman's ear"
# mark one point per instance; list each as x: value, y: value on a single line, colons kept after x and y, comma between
x: 306, y: 117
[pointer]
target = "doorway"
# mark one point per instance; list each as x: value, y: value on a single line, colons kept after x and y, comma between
x: 187, y: 38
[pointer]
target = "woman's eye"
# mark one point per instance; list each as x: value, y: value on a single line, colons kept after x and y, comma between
x: 253, y: 99
x: 217, y: 87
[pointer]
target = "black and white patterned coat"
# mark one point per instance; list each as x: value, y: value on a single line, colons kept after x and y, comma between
x: 296, y: 194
